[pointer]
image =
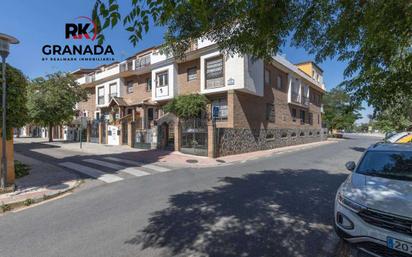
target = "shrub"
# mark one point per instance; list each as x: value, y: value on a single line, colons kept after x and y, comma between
x: 21, y: 169
x: 187, y: 106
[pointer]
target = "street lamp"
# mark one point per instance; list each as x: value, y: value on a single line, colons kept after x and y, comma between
x: 5, y: 41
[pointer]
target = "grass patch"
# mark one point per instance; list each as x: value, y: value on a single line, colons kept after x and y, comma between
x: 21, y: 169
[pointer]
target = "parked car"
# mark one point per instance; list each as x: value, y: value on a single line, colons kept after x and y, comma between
x: 373, y: 207
x: 396, y: 137
x: 389, y: 134
x: 405, y: 139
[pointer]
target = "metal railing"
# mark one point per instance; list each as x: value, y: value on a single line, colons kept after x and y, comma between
x: 305, y: 101
x: 142, y: 62
x: 127, y: 66
x: 295, y: 97
x: 90, y: 78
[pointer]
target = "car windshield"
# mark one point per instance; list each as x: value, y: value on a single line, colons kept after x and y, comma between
x: 390, y: 164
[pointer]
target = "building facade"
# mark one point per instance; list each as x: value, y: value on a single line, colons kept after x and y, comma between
x: 255, y: 104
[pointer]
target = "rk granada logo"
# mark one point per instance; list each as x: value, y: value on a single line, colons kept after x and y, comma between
x: 82, y: 30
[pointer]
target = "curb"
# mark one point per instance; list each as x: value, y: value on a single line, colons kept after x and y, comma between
x: 30, y: 201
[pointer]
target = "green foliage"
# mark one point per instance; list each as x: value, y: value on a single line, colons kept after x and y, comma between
x: 5, y: 207
x: 395, y: 118
x: 28, y: 202
x: 16, y: 98
x: 187, y: 106
x: 21, y: 169
x: 52, y: 101
x: 341, y: 111
x: 373, y: 37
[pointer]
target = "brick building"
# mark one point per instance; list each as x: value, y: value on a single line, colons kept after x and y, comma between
x: 258, y: 105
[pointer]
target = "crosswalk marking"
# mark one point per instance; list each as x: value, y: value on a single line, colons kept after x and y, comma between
x: 135, y: 172
x: 108, y: 178
x: 131, y: 170
x: 130, y: 162
x: 105, y: 164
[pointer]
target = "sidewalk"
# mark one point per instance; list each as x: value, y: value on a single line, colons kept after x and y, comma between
x: 45, y: 181
x: 178, y: 159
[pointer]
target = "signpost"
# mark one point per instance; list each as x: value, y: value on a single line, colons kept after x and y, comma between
x: 215, y: 115
x: 83, y: 125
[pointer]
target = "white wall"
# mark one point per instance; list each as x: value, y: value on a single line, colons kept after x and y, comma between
x: 81, y: 80
x: 110, y: 72
x: 254, y: 75
x: 172, y: 88
x: 204, y: 43
x: 156, y: 57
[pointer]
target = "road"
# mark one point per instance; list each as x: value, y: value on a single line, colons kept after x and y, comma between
x: 277, y: 206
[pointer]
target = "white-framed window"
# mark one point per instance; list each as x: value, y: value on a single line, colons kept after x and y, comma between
x: 191, y: 74
x: 100, y: 95
x: 113, y: 90
x: 267, y: 76
x: 129, y: 87
x: 97, y: 115
x: 85, y: 113
x: 279, y: 82
x: 221, y: 103
x: 162, y: 79
x: 214, y: 72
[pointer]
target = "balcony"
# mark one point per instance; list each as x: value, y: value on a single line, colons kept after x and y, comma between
x: 305, y: 101
x: 142, y: 62
x: 126, y: 66
x: 90, y: 78
x: 295, y: 98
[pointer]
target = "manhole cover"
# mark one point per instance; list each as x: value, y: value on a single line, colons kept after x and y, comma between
x: 191, y: 161
x: 221, y: 161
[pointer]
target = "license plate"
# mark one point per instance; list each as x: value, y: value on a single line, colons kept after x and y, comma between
x: 399, y: 245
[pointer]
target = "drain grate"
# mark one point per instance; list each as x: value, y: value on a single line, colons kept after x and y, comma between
x: 191, y: 161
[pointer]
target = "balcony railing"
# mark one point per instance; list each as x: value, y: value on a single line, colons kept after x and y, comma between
x: 295, y: 97
x: 142, y: 62
x: 90, y: 78
x: 127, y: 66
x: 305, y: 101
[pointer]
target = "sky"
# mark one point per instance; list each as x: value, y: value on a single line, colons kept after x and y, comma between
x: 41, y: 22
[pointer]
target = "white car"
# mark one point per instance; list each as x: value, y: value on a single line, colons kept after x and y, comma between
x: 396, y: 137
x: 373, y: 207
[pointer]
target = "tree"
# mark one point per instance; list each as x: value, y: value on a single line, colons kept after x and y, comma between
x: 395, y: 118
x: 16, y: 99
x: 341, y: 111
x: 52, y: 101
x: 373, y: 37
x: 187, y: 106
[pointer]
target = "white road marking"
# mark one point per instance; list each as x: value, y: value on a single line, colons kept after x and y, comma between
x: 148, y: 166
x: 131, y: 170
x: 94, y: 173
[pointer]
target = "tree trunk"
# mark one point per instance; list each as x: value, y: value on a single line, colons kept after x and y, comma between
x: 50, y: 133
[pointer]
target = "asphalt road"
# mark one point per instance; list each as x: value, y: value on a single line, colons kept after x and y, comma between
x: 277, y: 206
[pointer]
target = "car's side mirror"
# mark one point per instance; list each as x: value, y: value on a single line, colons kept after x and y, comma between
x: 350, y: 165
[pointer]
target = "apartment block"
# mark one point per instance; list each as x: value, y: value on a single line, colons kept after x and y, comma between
x: 253, y: 104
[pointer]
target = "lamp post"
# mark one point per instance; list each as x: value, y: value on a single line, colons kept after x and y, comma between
x: 5, y: 41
